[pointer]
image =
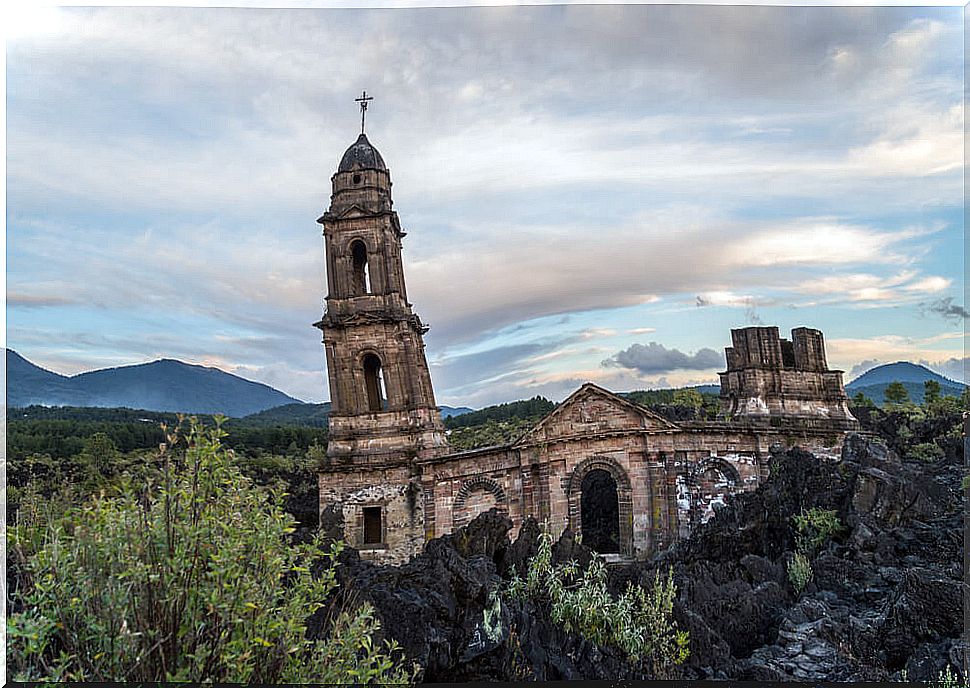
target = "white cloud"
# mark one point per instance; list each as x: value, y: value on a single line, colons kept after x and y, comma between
x: 904, y: 287
x: 845, y: 352
x: 532, y: 188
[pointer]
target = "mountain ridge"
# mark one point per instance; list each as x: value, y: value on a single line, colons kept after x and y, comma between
x: 873, y: 382
x: 163, y: 385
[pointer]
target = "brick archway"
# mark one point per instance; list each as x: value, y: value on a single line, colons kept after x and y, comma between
x: 624, y: 494
x: 459, y: 512
x: 705, y: 484
x: 716, y: 463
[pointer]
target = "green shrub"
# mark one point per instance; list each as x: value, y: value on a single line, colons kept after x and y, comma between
x: 639, y: 622
x: 927, y: 451
x: 189, y: 578
x: 799, y: 571
x: 814, y: 527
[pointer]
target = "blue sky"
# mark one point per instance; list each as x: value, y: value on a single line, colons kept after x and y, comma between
x: 590, y: 192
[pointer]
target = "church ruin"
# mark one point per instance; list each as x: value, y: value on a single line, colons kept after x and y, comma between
x: 628, y: 479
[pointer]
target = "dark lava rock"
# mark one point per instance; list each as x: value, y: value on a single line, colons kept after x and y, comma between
x: 885, y: 593
x: 436, y: 605
x: 888, y: 583
x: 926, y: 606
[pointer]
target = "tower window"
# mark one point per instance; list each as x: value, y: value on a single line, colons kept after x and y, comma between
x: 356, y: 179
x: 373, y: 525
x: 361, y: 272
x: 373, y: 382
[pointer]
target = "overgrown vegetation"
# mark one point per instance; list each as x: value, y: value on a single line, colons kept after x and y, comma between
x: 927, y: 432
x: 639, y: 623
x: 191, y: 576
x: 705, y: 404
x: 60, y: 432
x: 812, y: 528
x: 948, y: 679
x: 528, y: 410
x: 91, y: 449
x: 490, y: 433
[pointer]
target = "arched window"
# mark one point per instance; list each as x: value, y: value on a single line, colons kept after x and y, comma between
x: 373, y: 382
x: 361, y: 275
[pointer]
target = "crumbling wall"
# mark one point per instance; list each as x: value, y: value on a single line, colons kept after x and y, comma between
x: 768, y: 376
x: 345, y: 494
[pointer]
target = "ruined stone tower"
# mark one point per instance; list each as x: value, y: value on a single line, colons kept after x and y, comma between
x: 383, y: 414
x: 771, y: 377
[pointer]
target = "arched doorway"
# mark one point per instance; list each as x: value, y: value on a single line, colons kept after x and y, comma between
x: 600, y: 512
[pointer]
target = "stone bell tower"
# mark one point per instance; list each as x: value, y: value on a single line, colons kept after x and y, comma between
x: 383, y: 414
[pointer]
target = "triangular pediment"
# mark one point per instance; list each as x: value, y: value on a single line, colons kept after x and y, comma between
x: 592, y: 409
x: 354, y: 211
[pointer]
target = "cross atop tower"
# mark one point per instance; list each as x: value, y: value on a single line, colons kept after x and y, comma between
x: 363, y: 107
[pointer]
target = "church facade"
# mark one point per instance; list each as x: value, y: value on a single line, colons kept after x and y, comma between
x: 628, y: 479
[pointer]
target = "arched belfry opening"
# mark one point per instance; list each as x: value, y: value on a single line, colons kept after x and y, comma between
x: 373, y: 382
x: 360, y: 279
x: 600, y: 512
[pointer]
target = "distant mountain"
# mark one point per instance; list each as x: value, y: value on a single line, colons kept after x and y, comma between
x: 315, y: 415
x: 449, y: 411
x: 164, y: 385
x: 30, y: 384
x: 707, y: 389
x: 873, y: 382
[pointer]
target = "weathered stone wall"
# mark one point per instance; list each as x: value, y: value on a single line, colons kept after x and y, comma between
x: 774, y: 377
x: 669, y: 478
x: 397, y: 491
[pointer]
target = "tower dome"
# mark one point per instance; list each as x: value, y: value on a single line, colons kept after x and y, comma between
x: 361, y: 156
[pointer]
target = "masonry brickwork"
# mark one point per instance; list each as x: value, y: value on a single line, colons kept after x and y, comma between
x: 768, y: 376
x: 393, y: 483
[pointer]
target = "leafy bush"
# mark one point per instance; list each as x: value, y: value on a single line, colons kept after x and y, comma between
x: 799, y: 571
x: 639, y: 622
x: 813, y: 527
x: 190, y: 578
x: 927, y: 451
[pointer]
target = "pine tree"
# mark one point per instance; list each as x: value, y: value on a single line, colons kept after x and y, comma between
x: 931, y: 392
x: 896, y: 394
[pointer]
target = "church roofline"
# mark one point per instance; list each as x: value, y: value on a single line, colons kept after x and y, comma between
x: 602, y: 391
